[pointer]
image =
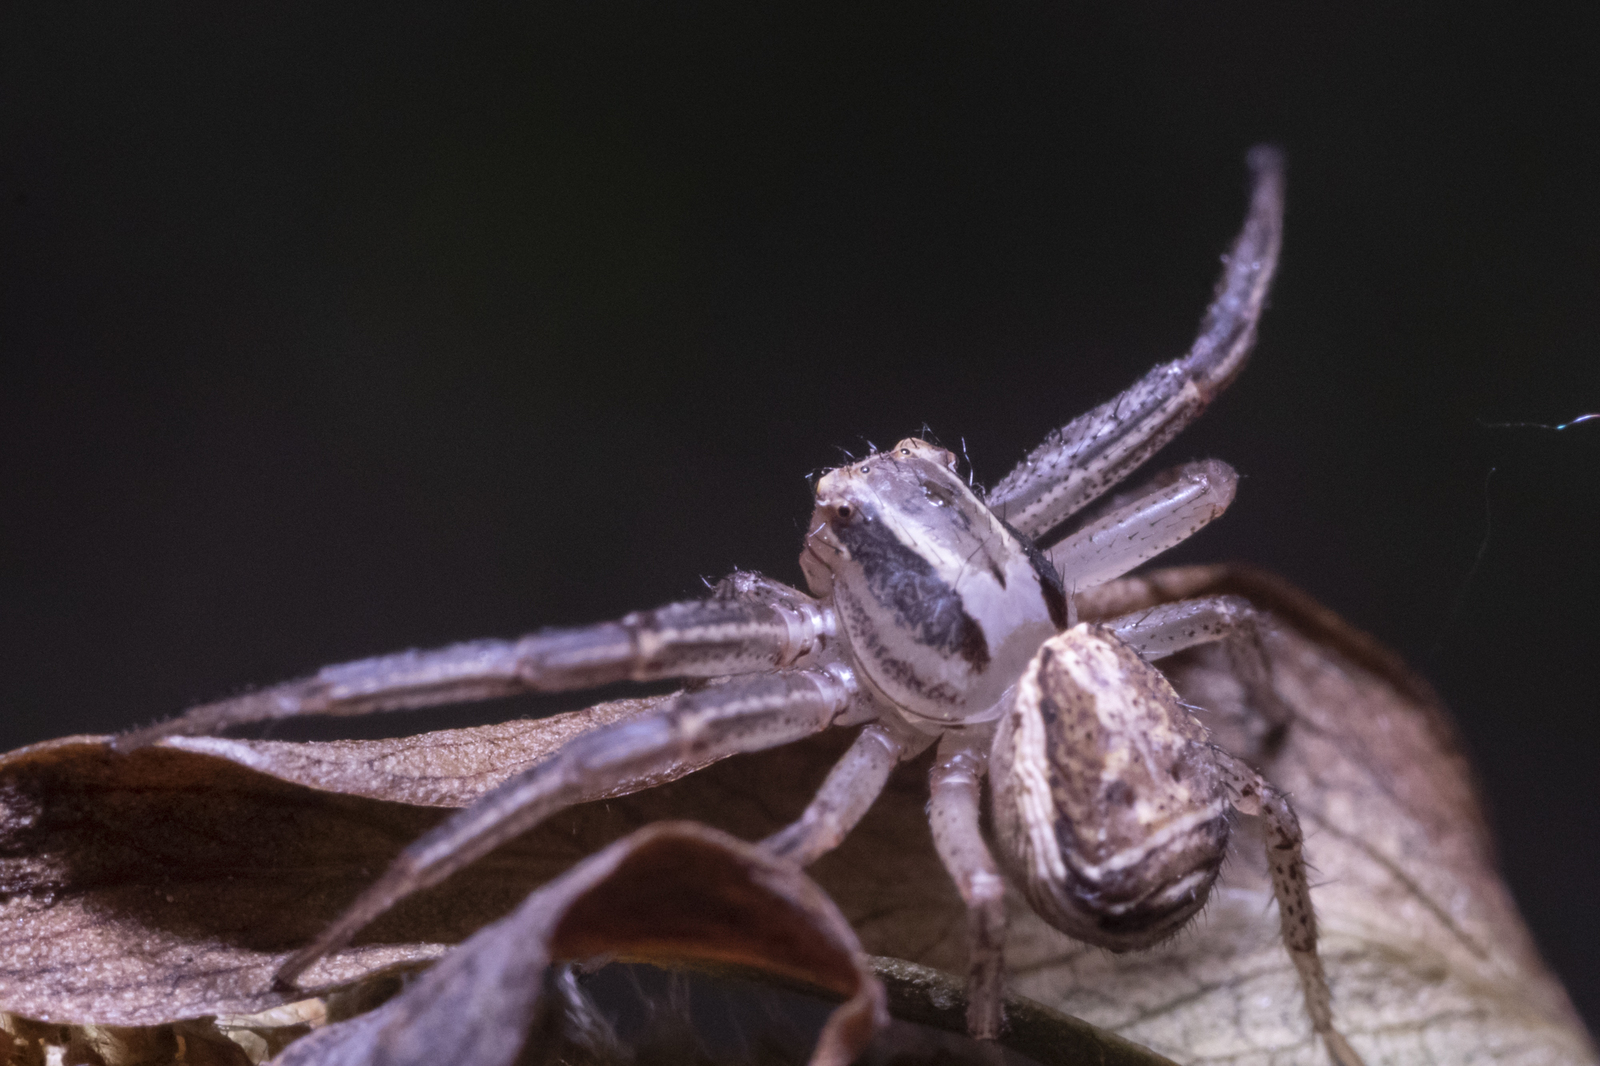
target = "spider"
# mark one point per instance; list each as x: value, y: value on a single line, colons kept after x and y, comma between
x: 937, y: 615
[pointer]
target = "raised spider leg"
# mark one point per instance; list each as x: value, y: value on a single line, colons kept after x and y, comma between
x: 1254, y: 795
x: 1160, y: 514
x: 1231, y: 620
x: 844, y: 798
x: 696, y: 728
x: 752, y: 624
x: 1096, y: 450
x: 953, y: 812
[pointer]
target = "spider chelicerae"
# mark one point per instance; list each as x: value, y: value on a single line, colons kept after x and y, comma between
x: 937, y: 615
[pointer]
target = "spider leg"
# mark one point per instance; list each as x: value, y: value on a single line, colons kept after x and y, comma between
x: 852, y: 786
x: 1230, y: 620
x: 1096, y: 450
x: 696, y: 728
x: 1158, y: 515
x: 953, y: 812
x: 751, y: 625
x: 1254, y: 795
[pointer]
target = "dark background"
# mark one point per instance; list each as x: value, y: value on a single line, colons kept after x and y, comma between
x: 329, y: 331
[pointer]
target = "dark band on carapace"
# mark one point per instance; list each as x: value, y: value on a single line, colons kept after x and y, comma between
x: 1055, y: 593
x: 905, y: 583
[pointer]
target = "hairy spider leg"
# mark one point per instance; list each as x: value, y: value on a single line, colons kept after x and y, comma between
x: 1093, y: 452
x: 1139, y: 525
x: 696, y: 728
x: 1254, y: 795
x: 752, y: 624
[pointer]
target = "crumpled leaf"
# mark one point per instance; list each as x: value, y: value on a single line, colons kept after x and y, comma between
x: 672, y: 890
x: 169, y: 883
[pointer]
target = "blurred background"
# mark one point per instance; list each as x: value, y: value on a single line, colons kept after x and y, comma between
x: 330, y: 330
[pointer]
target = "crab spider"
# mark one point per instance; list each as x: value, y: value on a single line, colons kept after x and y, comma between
x: 937, y: 615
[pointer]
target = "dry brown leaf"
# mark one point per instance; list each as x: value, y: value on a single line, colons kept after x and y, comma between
x: 673, y: 890
x: 171, y: 882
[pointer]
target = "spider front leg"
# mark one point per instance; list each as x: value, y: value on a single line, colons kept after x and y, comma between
x: 696, y: 728
x: 1093, y: 452
x: 1254, y: 795
x: 953, y: 811
x: 1160, y: 514
x: 753, y: 624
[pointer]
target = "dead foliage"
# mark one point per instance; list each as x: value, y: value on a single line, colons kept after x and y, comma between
x: 145, y: 900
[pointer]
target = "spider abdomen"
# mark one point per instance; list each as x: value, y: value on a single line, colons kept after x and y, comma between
x: 1110, y: 812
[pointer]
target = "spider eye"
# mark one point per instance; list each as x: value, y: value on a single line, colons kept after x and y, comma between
x: 905, y: 451
x: 866, y: 469
x: 843, y: 510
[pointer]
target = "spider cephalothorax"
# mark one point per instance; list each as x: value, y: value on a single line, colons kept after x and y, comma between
x: 942, y: 604
x: 937, y: 615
